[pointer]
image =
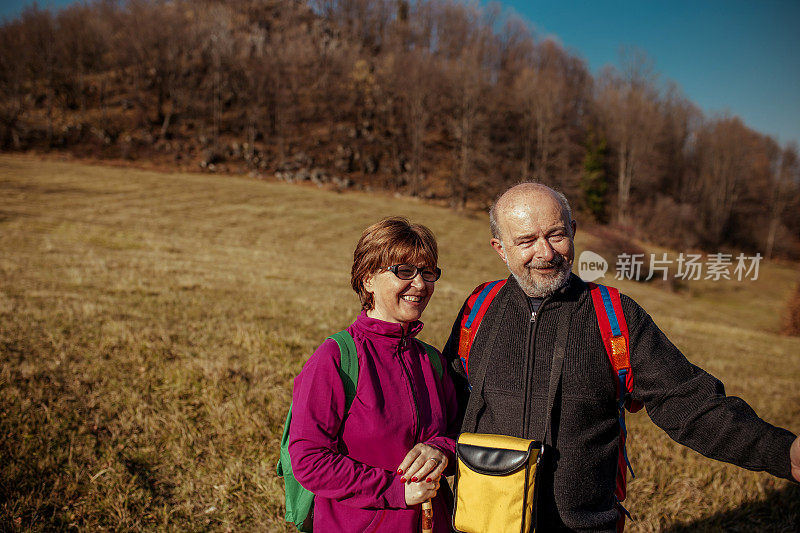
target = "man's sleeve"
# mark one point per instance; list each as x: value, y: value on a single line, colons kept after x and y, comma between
x: 692, y: 407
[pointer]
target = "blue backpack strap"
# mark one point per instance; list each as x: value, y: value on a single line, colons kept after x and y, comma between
x: 476, y: 306
x: 433, y: 357
x: 479, y: 302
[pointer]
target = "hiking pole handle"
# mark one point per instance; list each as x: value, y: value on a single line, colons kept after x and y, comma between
x: 427, y: 517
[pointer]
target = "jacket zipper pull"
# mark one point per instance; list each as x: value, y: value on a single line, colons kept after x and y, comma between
x: 533, y: 316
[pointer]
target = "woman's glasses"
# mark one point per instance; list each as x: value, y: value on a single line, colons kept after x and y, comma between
x: 410, y: 272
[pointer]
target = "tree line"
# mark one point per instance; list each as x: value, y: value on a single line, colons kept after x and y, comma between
x: 432, y: 98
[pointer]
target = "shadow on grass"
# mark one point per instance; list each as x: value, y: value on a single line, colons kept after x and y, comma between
x: 143, y: 473
x: 779, y: 511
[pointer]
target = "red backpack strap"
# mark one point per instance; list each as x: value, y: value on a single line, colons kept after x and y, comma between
x: 616, y: 339
x: 476, y: 306
x: 614, y: 330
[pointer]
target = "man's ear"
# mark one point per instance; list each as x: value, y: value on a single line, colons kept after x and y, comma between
x: 574, y: 228
x: 497, y: 244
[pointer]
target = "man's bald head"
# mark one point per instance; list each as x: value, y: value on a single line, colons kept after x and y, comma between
x: 525, y: 192
x: 533, y: 233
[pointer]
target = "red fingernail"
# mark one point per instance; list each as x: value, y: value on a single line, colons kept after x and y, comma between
x: 402, y: 480
x: 428, y: 480
x: 413, y: 480
x: 399, y: 471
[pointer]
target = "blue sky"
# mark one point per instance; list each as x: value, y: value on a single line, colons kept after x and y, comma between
x: 735, y: 56
x: 738, y: 56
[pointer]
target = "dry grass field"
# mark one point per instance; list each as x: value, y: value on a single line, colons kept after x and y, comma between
x: 151, y: 325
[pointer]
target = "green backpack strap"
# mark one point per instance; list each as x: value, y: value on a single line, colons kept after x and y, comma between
x: 348, y: 365
x: 433, y: 357
x: 300, y: 501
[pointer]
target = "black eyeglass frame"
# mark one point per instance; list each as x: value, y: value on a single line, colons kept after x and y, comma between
x: 395, y: 269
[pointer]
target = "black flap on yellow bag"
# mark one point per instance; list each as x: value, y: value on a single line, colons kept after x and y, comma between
x: 492, y: 461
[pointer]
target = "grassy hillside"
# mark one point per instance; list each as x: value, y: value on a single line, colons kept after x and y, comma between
x: 151, y: 325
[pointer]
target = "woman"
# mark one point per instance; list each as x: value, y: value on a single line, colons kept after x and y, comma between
x: 371, y: 469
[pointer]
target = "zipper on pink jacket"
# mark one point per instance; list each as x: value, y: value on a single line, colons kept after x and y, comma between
x: 410, y: 385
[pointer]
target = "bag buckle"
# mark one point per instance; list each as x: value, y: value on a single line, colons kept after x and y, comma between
x: 619, y: 351
x: 464, y: 342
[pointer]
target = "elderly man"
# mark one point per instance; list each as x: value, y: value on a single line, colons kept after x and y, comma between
x: 533, y: 233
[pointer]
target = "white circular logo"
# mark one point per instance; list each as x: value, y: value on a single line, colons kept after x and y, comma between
x: 591, y: 266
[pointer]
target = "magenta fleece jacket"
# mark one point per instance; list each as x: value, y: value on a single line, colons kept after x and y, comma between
x: 351, y: 465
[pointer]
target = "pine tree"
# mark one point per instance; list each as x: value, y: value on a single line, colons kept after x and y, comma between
x: 594, y: 179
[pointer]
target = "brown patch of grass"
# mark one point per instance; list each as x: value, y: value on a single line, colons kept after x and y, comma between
x: 151, y: 326
x: 791, y: 317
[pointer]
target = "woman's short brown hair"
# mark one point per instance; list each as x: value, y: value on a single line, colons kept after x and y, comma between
x: 392, y: 241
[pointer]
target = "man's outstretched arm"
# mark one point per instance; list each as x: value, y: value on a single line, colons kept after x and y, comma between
x: 692, y: 407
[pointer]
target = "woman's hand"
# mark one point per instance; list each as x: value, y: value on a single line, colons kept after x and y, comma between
x: 417, y: 493
x: 422, y: 463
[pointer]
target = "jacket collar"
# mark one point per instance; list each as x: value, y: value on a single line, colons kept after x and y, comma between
x: 391, y: 330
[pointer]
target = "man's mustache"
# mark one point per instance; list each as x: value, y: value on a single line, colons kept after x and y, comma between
x: 556, y: 262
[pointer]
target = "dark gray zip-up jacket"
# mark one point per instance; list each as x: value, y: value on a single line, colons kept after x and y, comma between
x: 578, y: 474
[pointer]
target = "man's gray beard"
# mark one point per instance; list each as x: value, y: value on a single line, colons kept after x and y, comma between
x: 547, y: 286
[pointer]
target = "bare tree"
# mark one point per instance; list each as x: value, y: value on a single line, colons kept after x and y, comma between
x: 784, y: 172
x: 726, y: 146
x: 158, y: 48
x: 407, y: 72
x: 628, y: 104
x: 412, y: 74
x: 682, y: 119
x: 41, y: 59
x: 367, y: 21
x: 82, y: 40
x: 466, y: 41
x: 13, y: 78
x: 548, y: 92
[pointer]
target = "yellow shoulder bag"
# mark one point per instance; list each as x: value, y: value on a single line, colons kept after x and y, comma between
x: 496, y: 481
x: 496, y: 474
